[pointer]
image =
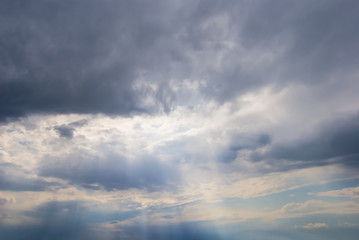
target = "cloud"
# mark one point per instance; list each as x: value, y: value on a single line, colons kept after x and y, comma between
x: 111, y: 172
x: 55, y: 220
x: 336, y: 141
x: 243, y: 142
x: 14, y: 178
x: 249, y: 90
x: 24, y: 184
x: 315, y: 225
x: 89, y: 67
x: 77, y: 212
x: 110, y: 61
x: 352, y: 193
x: 313, y: 207
x: 276, y: 43
x: 67, y: 130
x: 76, y: 219
x: 6, y: 200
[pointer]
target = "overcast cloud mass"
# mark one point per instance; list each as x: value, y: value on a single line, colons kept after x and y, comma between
x: 171, y: 119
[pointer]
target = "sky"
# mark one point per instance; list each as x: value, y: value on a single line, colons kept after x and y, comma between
x: 169, y: 119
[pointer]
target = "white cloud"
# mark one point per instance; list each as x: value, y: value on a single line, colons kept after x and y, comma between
x: 312, y: 207
x: 352, y: 193
x: 315, y: 225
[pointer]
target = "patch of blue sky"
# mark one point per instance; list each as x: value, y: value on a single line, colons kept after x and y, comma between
x: 14, y: 130
x: 329, y: 227
x: 24, y: 143
x: 345, y: 221
x: 278, y: 200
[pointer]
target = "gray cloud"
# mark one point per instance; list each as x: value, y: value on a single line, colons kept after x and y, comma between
x: 112, y: 172
x: 87, y: 56
x: 55, y: 220
x: 67, y: 130
x: 75, y: 57
x: 334, y: 142
x: 243, y: 142
x: 77, y: 212
x: 64, y: 220
x: 287, y: 42
x: 23, y: 184
x: 73, y: 219
x: 14, y: 178
x: 145, y: 57
x: 3, y: 201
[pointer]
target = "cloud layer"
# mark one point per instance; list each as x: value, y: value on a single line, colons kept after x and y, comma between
x: 179, y: 119
x: 90, y: 57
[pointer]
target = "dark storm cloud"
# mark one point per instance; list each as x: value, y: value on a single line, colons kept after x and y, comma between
x: 75, y: 57
x: 334, y: 142
x: 112, y: 172
x: 84, y: 56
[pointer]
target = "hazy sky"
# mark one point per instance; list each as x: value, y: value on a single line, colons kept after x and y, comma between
x: 179, y: 119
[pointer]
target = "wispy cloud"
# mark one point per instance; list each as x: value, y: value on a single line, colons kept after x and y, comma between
x: 343, y: 193
x: 314, y: 226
